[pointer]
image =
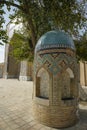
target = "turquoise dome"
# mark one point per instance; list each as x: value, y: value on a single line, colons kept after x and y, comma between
x: 53, y: 40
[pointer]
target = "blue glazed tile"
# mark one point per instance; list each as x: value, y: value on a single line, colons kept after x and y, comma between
x: 54, y: 39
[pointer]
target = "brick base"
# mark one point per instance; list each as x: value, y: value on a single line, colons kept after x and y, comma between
x: 55, y: 116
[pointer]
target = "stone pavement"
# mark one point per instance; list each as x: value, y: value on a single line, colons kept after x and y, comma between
x: 16, y: 108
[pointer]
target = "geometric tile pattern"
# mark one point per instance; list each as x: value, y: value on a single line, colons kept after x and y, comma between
x: 47, y: 64
x: 62, y: 63
x: 55, y: 63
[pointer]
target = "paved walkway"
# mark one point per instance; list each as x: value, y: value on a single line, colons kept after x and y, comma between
x: 16, y: 108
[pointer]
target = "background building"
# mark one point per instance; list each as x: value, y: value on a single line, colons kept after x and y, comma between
x: 1, y: 69
x: 83, y: 73
x: 12, y: 68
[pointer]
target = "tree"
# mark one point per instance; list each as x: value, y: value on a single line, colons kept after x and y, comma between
x: 40, y: 16
x: 3, y: 36
x: 81, y: 46
x: 20, y: 47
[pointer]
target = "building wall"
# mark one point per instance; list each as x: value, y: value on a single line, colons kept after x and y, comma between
x: 1, y: 69
x: 25, y: 70
x: 83, y: 73
x: 30, y: 70
x: 86, y: 73
x: 11, y: 66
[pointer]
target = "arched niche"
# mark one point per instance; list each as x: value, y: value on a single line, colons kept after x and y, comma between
x: 42, y: 84
x: 68, y: 84
x: 70, y: 72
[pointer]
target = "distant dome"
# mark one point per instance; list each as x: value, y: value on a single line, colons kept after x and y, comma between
x: 53, y: 40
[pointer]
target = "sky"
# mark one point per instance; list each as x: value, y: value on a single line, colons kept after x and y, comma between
x: 7, y: 20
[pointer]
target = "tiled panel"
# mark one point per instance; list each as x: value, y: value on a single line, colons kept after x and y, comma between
x: 55, y: 63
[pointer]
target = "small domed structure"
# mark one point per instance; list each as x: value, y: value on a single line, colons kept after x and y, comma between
x: 55, y: 39
x: 55, y: 80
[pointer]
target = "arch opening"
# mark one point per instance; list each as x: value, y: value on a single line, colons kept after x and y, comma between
x: 42, y: 84
x: 67, y: 84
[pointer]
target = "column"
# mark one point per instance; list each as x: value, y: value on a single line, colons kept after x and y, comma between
x: 82, y: 75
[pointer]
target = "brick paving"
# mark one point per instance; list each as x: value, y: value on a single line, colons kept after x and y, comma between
x: 16, y: 108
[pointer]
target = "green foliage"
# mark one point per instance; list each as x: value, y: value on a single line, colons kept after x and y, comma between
x: 3, y: 37
x: 81, y: 48
x: 66, y: 15
x: 1, y: 16
x: 20, y: 47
